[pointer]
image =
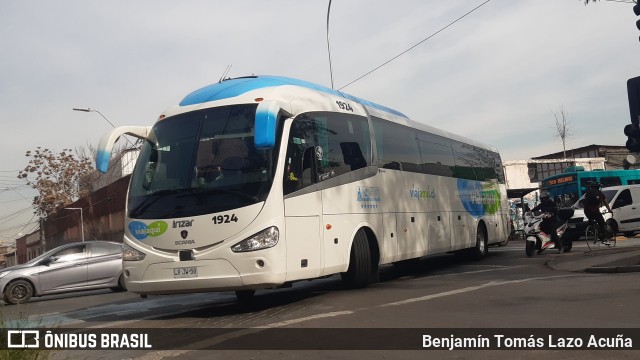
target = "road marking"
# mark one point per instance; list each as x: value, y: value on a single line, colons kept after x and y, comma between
x: 257, y: 329
x: 495, y: 268
x: 469, y: 289
x: 307, y: 318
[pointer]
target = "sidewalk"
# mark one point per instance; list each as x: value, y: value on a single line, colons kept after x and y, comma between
x: 620, y: 259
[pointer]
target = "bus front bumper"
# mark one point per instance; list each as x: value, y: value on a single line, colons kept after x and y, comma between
x: 196, y: 276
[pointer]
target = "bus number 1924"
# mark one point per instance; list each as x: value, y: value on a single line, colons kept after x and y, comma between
x: 344, y: 106
x: 224, y: 219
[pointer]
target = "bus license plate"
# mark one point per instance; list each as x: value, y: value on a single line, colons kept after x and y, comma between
x: 185, y: 272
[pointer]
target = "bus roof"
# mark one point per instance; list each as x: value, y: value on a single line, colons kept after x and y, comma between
x: 230, y: 88
x: 238, y: 86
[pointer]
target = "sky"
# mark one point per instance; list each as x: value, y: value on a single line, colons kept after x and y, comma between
x: 499, y: 75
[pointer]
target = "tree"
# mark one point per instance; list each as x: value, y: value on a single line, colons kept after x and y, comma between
x: 563, y: 129
x: 57, y: 178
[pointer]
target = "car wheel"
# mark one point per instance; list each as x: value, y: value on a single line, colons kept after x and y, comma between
x: 121, y: 285
x: 18, y: 292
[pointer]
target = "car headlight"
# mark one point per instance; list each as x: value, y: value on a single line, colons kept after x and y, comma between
x: 131, y: 254
x: 264, y: 239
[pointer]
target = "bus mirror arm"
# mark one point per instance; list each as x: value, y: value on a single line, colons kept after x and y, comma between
x: 105, y: 146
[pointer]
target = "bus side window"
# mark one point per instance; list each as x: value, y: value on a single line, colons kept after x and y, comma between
x: 352, y: 155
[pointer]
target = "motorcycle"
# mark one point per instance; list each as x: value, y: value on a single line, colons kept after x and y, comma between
x: 537, y: 240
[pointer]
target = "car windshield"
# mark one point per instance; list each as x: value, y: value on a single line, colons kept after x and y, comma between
x: 200, y: 162
x: 42, y: 256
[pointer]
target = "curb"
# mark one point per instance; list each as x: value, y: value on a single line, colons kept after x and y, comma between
x: 613, y: 269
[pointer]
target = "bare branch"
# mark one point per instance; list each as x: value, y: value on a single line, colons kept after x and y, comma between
x: 563, y: 129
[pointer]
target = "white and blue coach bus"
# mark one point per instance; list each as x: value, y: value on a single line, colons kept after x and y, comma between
x: 260, y: 181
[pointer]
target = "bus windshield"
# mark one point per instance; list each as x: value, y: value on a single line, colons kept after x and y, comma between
x: 200, y: 162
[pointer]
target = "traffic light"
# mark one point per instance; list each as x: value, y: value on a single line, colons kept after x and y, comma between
x: 633, y: 133
x: 632, y: 130
x: 636, y: 10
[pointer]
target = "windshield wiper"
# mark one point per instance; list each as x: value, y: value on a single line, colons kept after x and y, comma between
x: 235, y: 193
x: 240, y: 194
x: 150, y: 200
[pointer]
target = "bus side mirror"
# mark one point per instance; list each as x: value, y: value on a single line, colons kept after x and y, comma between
x: 266, y: 122
x: 103, y: 152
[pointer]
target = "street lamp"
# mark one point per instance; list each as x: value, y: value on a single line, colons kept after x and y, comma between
x: 81, y: 220
x: 104, y: 117
x: 96, y: 111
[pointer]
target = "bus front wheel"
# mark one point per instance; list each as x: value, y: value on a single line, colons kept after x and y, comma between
x: 361, y: 269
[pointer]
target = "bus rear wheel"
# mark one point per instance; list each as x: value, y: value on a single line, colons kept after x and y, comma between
x: 362, y: 269
x: 480, y: 250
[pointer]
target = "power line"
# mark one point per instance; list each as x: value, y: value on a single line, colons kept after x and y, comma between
x: 411, y: 48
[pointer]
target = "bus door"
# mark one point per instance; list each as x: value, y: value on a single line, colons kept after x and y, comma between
x: 302, y: 203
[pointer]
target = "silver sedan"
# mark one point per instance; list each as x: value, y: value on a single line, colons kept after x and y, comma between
x: 67, y: 268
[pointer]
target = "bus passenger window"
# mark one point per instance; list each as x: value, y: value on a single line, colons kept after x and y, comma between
x: 610, y: 181
x: 352, y: 155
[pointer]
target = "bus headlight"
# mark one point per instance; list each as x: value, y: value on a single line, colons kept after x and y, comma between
x: 131, y: 254
x: 264, y: 239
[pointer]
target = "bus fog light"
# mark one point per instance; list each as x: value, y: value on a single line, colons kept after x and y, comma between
x: 260, y: 263
x: 131, y: 254
x: 265, y: 239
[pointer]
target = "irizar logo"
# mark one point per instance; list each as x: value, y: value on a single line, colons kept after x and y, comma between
x: 141, y: 231
x: 479, y: 199
x: 182, y: 223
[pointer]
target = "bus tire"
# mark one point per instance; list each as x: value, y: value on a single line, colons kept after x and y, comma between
x: 361, y: 267
x: 481, y: 249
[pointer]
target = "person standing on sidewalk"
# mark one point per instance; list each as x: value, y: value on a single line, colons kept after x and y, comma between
x: 594, y: 199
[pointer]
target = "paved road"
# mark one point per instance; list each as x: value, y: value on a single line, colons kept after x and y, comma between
x: 506, y: 290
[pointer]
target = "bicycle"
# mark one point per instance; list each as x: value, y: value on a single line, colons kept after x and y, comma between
x: 593, y: 239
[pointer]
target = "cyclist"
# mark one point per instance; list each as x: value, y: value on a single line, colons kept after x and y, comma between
x: 594, y: 199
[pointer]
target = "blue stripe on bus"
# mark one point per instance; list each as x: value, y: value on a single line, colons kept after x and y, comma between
x: 235, y: 87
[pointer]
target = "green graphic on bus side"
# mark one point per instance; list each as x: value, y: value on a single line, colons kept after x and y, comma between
x: 491, y: 198
x: 479, y: 199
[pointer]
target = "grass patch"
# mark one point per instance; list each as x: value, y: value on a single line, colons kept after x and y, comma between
x: 22, y: 323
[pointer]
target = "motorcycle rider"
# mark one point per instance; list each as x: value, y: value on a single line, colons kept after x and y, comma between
x: 550, y: 224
